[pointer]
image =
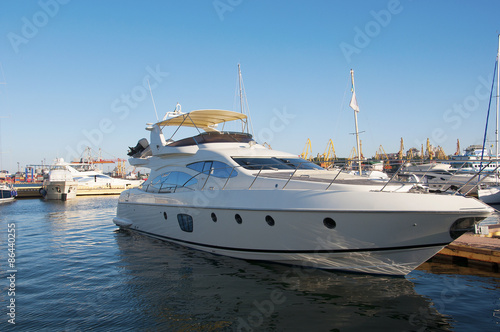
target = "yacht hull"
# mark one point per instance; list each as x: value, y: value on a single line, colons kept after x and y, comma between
x: 59, y: 190
x: 312, y: 228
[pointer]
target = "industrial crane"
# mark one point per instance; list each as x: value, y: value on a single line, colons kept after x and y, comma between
x: 327, y: 158
x: 307, y: 152
x: 401, y: 149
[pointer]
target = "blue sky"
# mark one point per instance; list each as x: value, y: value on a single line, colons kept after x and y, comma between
x: 75, y: 71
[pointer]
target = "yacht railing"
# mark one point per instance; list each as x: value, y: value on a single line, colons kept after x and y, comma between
x: 262, y: 172
x: 289, y: 173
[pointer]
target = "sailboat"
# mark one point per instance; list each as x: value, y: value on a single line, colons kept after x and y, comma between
x: 491, y: 194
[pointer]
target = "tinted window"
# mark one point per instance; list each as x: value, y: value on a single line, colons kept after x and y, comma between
x: 214, y: 168
x: 221, y: 170
x: 261, y: 163
x: 300, y: 163
x: 197, y: 166
x: 169, y: 181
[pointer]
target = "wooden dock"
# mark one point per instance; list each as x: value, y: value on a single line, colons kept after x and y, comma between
x: 474, y: 249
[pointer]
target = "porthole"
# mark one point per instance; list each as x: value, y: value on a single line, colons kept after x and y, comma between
x: 270, y: 220
x: 238, y: 219
x: 165, y: 215
x: 214, y: 217
x: 329, y: 223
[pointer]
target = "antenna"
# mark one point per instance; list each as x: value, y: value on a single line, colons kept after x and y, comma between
x: 154, y: 105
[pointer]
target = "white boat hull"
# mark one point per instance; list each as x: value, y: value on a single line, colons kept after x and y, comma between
x: 489, y: 195
x: 7, y: 193
x: 6, y: 200
x: 380, y: 239
x: 59, y: 190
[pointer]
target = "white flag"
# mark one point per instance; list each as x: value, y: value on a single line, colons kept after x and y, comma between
x: 354, y: 102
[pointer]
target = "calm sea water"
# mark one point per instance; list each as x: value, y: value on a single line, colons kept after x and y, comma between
x: 76, y: 272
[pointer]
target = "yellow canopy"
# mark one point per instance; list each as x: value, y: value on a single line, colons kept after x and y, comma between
x: 203, y: 118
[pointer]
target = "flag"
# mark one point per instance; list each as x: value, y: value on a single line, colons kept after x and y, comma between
x: 354, y: 102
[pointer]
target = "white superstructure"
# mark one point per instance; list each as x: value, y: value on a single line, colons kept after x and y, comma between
x: 58, y: 183
x: 223, y: 193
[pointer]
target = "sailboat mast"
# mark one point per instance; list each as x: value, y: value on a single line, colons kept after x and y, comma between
x: 358, y: 147
x: 241, y: 95
x: 498, y: 96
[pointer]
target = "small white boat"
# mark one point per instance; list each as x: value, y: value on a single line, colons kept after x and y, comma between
x: 7, y: 192
x: 489, y: 194
x: 224, y: 193
x: 58, y: 183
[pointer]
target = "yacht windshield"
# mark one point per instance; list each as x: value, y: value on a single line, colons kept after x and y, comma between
x: 300, y: 163
x: 274, y: 163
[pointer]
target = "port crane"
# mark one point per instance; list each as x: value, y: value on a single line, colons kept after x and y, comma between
x: 307, y: 152
x: 401, y: 149
x: 328, y: 157
x: 457, y: 153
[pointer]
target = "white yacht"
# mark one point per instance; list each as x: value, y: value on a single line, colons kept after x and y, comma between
x: 58, y: 183
x: 88, y: 176
x: 443, y: 177
x: 223, y: 193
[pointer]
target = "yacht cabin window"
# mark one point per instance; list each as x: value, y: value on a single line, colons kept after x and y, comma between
x: 214, y: 168
x: 274, y: 163
x: 170, y: 181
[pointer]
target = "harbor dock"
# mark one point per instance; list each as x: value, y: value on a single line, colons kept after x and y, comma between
x: 34, y: 191
x: 474, y: 249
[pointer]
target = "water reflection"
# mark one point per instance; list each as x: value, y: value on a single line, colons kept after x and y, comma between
x: 184, y: 289
x: 78, y: 273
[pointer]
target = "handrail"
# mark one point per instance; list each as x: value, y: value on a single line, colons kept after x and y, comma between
x: 480, y: 181
x: 256, y: 177
x: 472, y: 178
x: 208, y: 176
x: 291, y: 174
x: 393, y: 176
x: 228, y: 177
x: 336, y: 176
x: 298, y: 166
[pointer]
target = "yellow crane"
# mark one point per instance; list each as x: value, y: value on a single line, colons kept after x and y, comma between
x: 307, y: 152
x: 380, y: 153
x: 441, y: 155
x: 401, y: 149
x: 411, y: 154
x: 326, y: 159
x: 457, y: 153
x: 428, y: 152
